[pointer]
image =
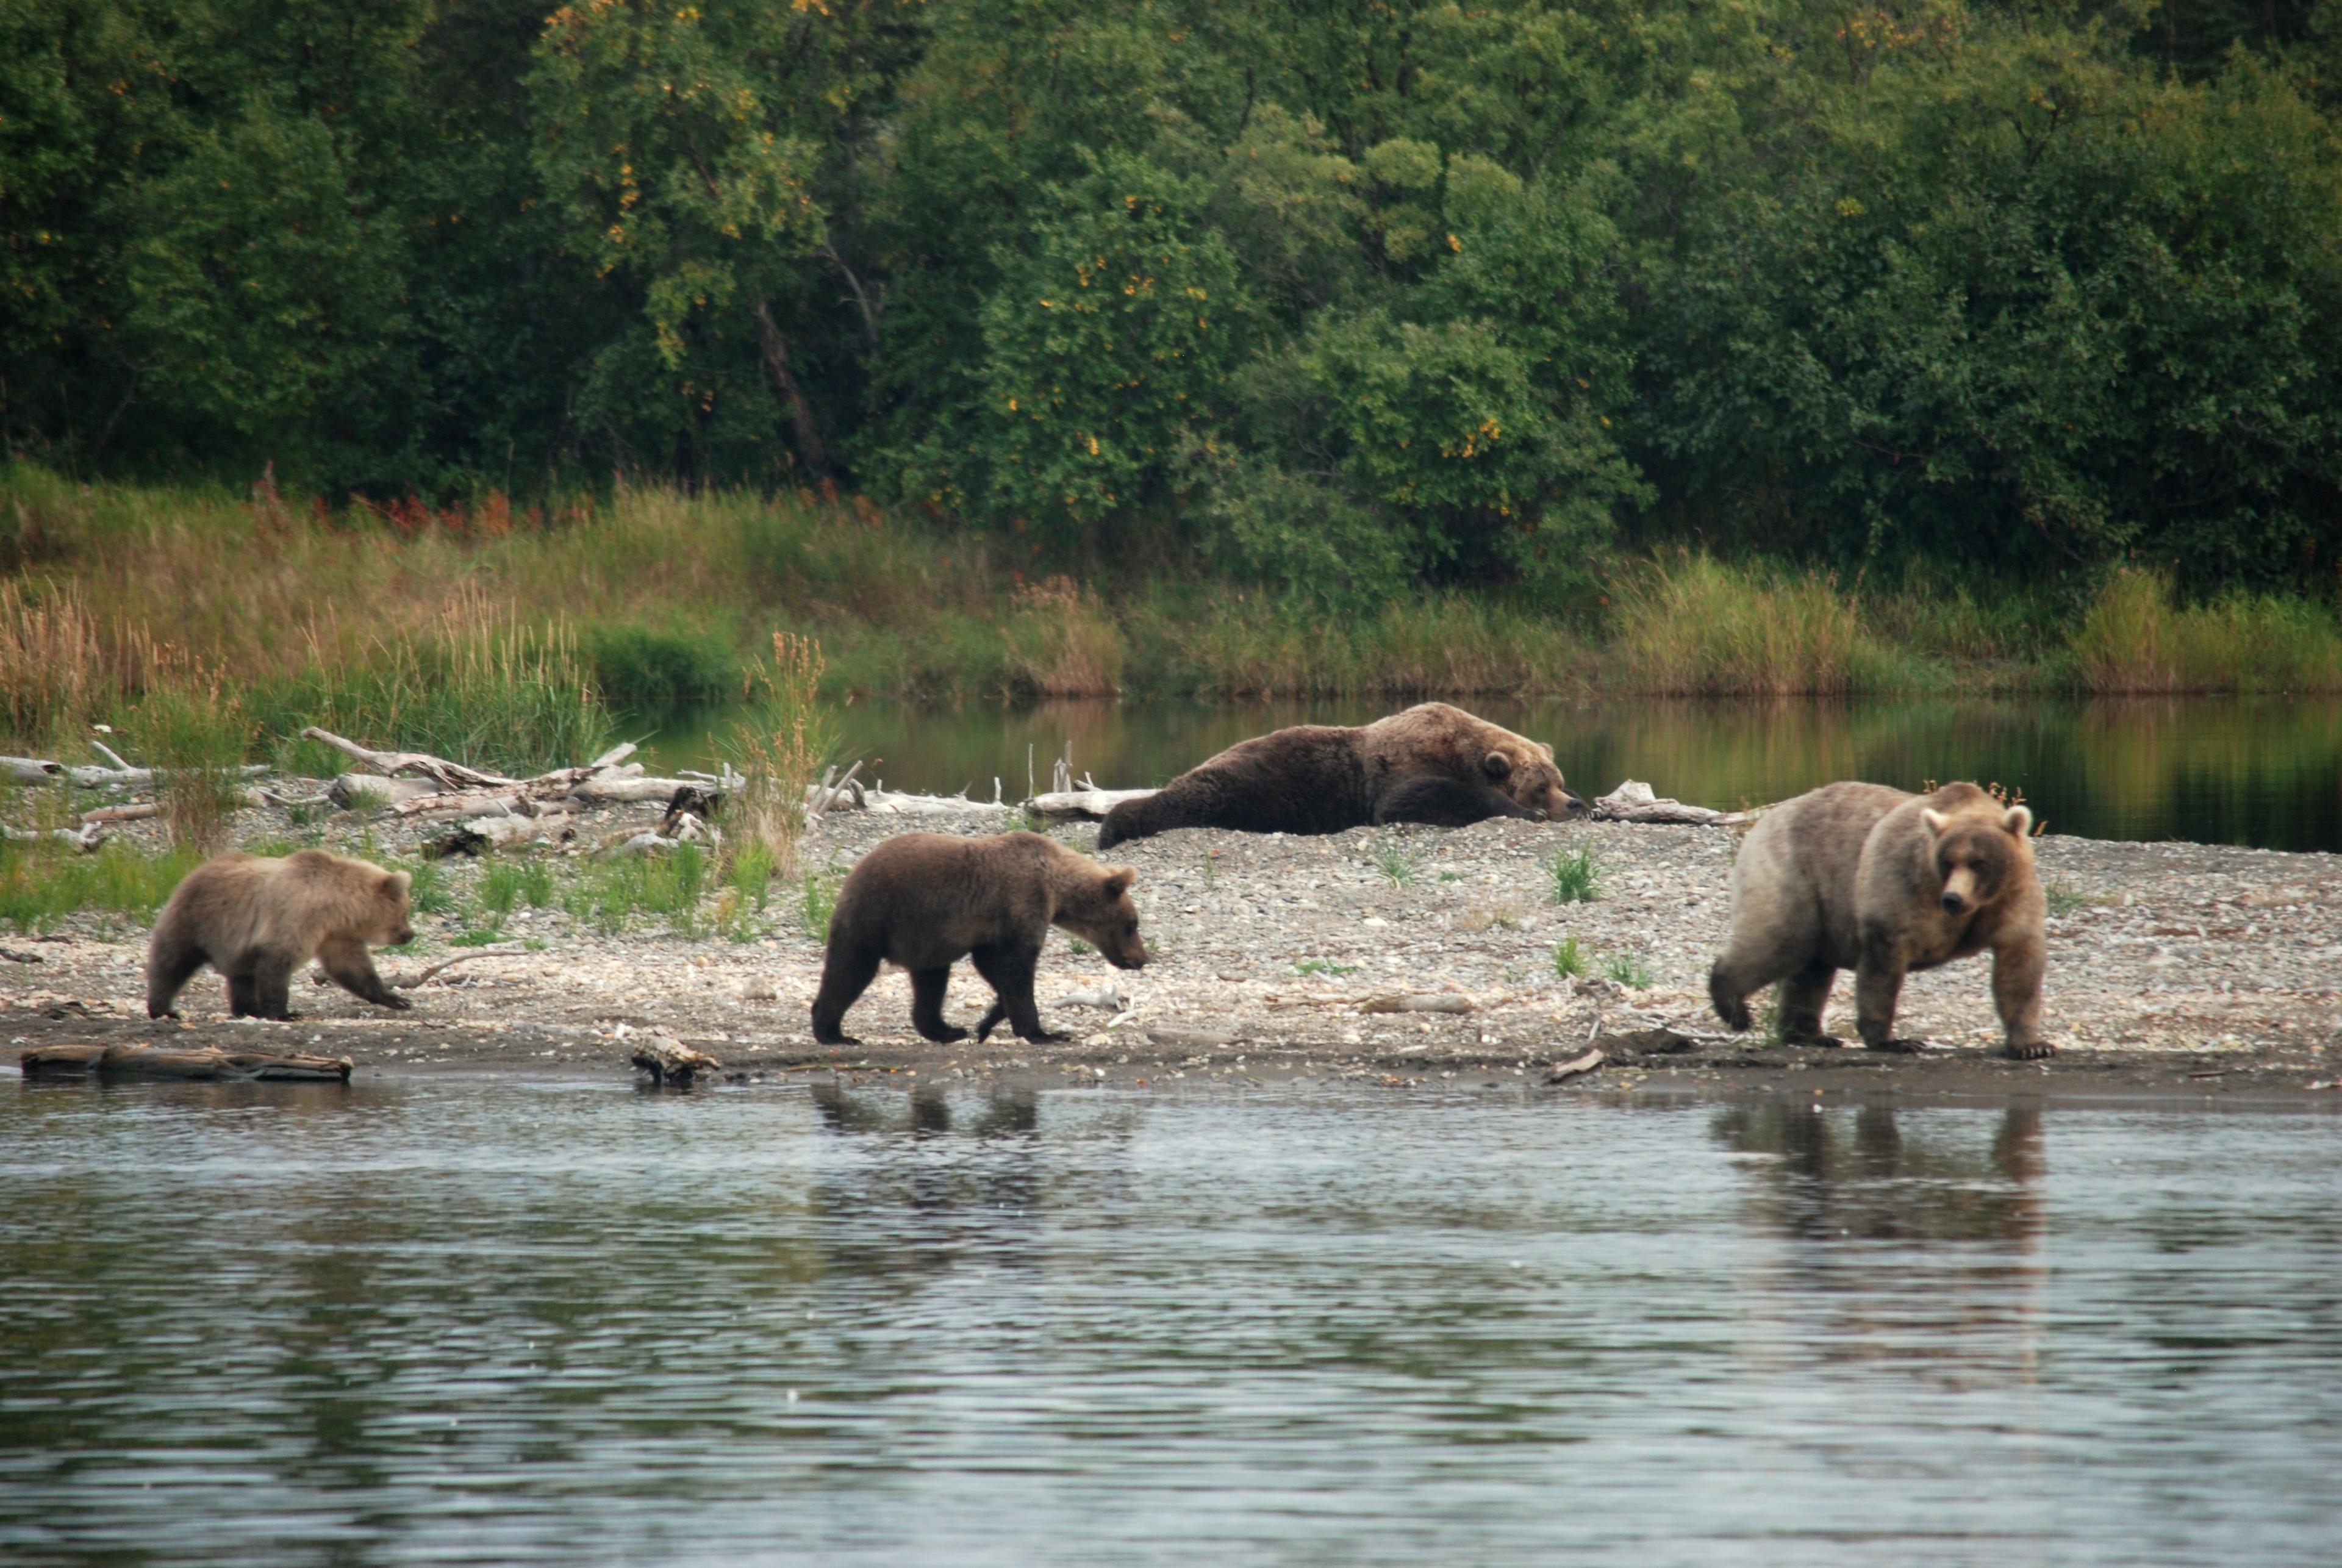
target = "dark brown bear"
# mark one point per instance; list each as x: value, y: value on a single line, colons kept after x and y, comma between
x: 258, y: 920
x: 927, y: 900
x: 1863, y: 877
x: 1432, y: 764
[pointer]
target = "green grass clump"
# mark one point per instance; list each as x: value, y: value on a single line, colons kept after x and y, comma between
x: 1576, y: 875
x: 615, y: 894
x: 816, y: 902
x: 652, y: 672
x: 1627, y: 970
x: 1400, y: 862
x: 41, y: 884
x: 506, y: 884
x: 1568, y: 959
x: 427, y: 892
x: 1324, y: 966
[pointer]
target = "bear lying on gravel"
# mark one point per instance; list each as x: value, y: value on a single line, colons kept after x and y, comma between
x: 1863, y: 877
x: 257, y: 921
x: 927, y: 900
x: 1432, y: 764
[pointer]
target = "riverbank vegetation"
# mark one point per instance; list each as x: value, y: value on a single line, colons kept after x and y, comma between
x: 211, y: 626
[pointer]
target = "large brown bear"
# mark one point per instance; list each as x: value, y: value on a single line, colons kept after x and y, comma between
x: 1432, y: 764
x: 927, y: 900
x: 257, y: 921
x: 1863, y: 877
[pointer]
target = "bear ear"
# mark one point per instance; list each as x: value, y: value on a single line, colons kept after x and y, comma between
x: 1119, y: 881
x: 1936, y: 821
x: 399, y: 880
x: 2019, y: 820
x: 1497, y: 766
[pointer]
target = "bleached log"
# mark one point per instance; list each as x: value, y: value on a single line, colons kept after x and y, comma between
x: 621, y: 787
x: 475, y: 834
x: 829, y: 796
x: 1633, y: 801
x: 351, y: 790
x: 138, y: 811
x: 670, y: 1061
x: 479, y: 804
x: 1059, y: 805
x: 40, y: 770
x: 895, y: 803
x: 1577, y: 1066
x: 87, y: 838
x: 449, y: 776
x: 148, y: 1062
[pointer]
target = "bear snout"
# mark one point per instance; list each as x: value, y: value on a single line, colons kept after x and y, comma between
x: 1131, y: 957
x: 1954, y: 903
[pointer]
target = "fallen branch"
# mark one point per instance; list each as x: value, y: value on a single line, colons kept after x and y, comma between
x: 148, y: 1062
x: 671, y: 1062
x: 829, y: 796
x: 894, y: 802
x: 449, y: 776
x: 138, y: 811
x: 1633, y: 801
x: 501, y: 832
x: 85, y: 839
x: 410, y: 982
x: 1394, y: 1003
x: 13, y: 956
x: 40, y: 770
x: 1575, y: 1067
x: 1065, y: 804
x: 354, y: 791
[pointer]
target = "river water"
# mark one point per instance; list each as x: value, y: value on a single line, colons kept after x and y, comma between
x: 2265, y: 772
x: 473, y: 1320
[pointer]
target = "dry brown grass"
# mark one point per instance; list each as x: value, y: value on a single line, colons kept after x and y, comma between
x: 780, y: 747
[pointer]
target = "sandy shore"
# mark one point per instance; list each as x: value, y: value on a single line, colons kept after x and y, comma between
x: 2174, y: 967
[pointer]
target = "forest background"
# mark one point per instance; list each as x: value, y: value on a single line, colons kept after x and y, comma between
x: 1776, y: 345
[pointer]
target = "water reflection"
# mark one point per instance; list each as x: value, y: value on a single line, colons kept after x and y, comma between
x: 2257, y: 771
x: 481, y: 1320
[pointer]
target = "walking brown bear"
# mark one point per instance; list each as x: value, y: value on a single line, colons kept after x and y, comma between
x: 1863, y: 877
x: 1433, y: 763
x: 927, y: 900
x: 257, y: 921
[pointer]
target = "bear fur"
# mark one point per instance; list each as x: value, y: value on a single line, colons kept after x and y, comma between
x: 927, y: 900
x: 1433, y: 763
x: 1863, y: 877
x: 257, y: 921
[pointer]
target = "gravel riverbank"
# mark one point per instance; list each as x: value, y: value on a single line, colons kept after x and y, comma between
x: 2181, y: 967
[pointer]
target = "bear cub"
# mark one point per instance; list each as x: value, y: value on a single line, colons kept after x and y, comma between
x: 927, y: 900
x: 1863, y: 877
x: 257, y: 921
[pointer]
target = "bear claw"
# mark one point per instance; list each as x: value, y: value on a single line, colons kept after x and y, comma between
x: 2030, y: 1050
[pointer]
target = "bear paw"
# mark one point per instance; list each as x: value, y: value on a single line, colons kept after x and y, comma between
x: 946, y: 1035
x: 398, y: 1003
x: 1898, y: 1047
x: 2029, y: 1050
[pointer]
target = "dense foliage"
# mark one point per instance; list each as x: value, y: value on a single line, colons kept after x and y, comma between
x: 1348, y: 298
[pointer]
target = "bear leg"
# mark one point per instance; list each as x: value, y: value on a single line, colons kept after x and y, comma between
x: 1010, y: 974
x: 1802, y: 996
x: 272, y: 987
x: 1878, y: 986
x: 927, y: 987
x: 1447, y: 803
x: 347, y: 965
x: 847, y: 973
x: 171, y: 963
x: 2016, y: 973
x: 1744, y: 970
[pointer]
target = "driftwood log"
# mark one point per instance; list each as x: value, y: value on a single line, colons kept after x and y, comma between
x: 671, y: 1062
x: 151, y: 1061
x: 1059, y: 805
x: 1577, y: 1067
x: 39, y: 770
x: 1444, y: 1003
x: 86, y: 838
x: 1633, y: 801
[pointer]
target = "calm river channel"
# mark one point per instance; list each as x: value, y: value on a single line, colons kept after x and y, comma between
x: 2261, y: 771
x: 445, y: 1319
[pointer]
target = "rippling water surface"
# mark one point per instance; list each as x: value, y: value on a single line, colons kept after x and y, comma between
x: 451, y: 1320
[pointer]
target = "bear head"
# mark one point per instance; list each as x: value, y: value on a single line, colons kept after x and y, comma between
x: 390, y: 927
x: 1525, y: 771
x: 1098, y: 910
x: 1980, y: 851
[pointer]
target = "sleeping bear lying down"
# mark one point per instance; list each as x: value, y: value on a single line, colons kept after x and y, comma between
x: 1432, y: 764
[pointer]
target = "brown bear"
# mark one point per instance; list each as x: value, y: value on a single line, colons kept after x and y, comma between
x: 927, y: 900
x: 257, y: 921
x: 1432, y: 764
x: 1863, y: 877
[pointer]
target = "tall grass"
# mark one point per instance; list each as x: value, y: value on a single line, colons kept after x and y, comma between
x: 194, y: 731
x: 1694, y: 625
x: 2136, y: 638
x: 52, y: 666
x: 778, y: 747
x: 42, y: 883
